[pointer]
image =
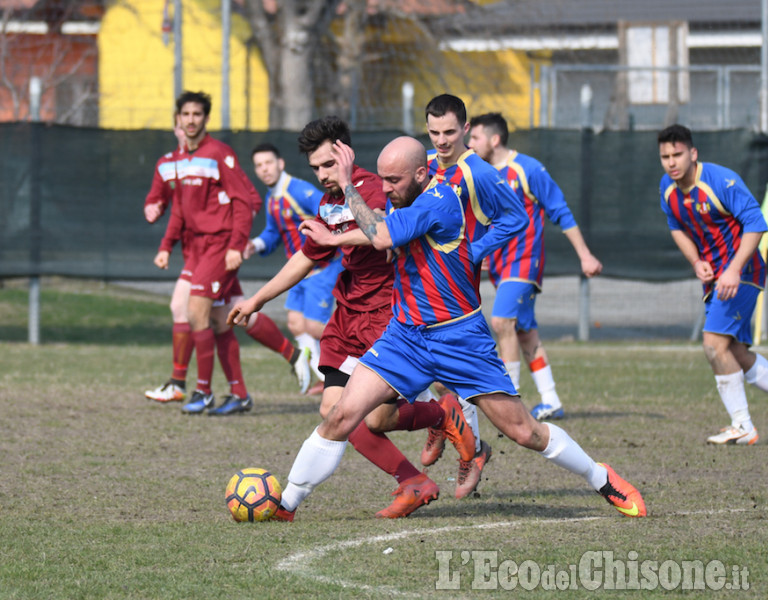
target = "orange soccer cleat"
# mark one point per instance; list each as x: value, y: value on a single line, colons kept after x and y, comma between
x: 622, y: 495
x: 410, y: 495
x: 283, y: 515
x: 456, y: 428
x: 470, y: 471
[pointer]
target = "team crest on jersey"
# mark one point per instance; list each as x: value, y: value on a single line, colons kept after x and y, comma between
x: 457, y: 189
x: 336, y: 214
x: 702, y: 208
x: 287, y: 213
x: 215, y: 287
x: 230, y: 161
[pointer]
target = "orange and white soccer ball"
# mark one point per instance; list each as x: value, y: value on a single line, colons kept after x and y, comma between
x: 253, y: 495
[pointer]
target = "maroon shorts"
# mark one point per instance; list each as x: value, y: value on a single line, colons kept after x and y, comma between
x: 350, y: 333
x: 207, y: 267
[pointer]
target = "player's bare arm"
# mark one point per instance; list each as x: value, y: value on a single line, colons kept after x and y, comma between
x: 324, y: 237
x: 371, y: 223
x: 296, y: 269
x: 728, y: 283
x: 590, y: 266
x: 701, y: 268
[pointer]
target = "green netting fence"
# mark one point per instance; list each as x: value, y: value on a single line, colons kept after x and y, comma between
x: 71, y: 199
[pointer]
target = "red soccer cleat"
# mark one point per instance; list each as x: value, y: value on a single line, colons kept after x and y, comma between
x: 410, y: 495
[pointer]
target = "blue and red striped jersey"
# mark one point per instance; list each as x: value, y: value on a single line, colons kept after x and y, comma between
x: 434, y: 273
x: 486, y: 198
x: 714, y: 213
x: 523, y: 258
x: 289, y: 202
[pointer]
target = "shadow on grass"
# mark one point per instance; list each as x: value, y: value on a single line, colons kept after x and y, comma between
x: 120, y: 335
x: 612, y: 415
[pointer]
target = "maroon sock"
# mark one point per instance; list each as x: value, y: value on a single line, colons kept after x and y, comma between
x: 266, y: 332
x: 418, y: 415
x: 205, y: 348
x: 380, y: 450
x: 182, y: 350
x: 228, y: 349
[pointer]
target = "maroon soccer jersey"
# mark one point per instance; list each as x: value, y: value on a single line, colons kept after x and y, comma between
x: 164, y: 180
x: 366, y: 282
x: 213, y: 196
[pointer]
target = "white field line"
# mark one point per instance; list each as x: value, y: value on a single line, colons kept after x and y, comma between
x: 299, y: 562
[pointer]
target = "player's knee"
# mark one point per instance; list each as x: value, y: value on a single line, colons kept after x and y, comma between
x: 178, y: 311
x: 710, y: 352
x: 503, y: 326
x: 375, y: 423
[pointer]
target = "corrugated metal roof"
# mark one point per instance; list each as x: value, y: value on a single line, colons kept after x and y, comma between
x: 517, y: 15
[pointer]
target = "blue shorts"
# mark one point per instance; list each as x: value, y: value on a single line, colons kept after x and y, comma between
x: 460, y: 354
x: 516, y: 300
x: 313, y: 295
x: 732, y: 317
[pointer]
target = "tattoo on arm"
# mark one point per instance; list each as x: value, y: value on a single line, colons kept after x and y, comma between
x: 366, y: 219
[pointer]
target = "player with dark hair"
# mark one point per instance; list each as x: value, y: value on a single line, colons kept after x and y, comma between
x: 516, y: 269
x: 363, y: 295
x: 717, y: 225
x: 214, y: 201
x: 437, y: 333
x: 494, y: 214
x: 289, y: 202
x: 157, y: 201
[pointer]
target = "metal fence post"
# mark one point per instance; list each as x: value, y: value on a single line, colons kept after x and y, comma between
x: 585, y: 216
x: 35, y: 237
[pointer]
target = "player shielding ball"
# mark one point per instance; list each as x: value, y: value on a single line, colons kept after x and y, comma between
x: 437, y: 333
x: 717, y: 224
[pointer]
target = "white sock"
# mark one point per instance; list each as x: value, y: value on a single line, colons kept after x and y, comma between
x: 734, y: 397
x: 513, y: 370
x: 566, y: 453
x: 470, y: 414
x: 426, y: 396
x: 545, y: 384
x: 758, y: 374
x: 316, y: 461
x: 304, y: 340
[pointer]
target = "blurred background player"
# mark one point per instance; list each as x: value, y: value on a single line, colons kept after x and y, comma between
x: 261, y: 328
x: 494, y: 214
x: 214, y: 200
x: 289, y: 202
x: 717, y: 224
x: 516, y: 269
x: 363, y: 295
x: 437, y: 332
x: 157, y: 201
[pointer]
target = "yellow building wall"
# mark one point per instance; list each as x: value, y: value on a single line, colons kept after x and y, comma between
x: 136, y: 70
x: 487, y: 81
x: 497, y: 81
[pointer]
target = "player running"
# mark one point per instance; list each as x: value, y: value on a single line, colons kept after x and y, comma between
x: 517, y: 268
x: 363, y: 295
x: 289, y: 202
x: 437, y: 333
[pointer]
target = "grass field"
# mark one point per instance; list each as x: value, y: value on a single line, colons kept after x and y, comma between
x: 106, y: 495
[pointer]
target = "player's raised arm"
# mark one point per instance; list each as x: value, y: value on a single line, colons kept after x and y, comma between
x: 370, y: 222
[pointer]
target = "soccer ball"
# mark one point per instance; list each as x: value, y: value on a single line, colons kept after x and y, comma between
x: 253, y: 495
